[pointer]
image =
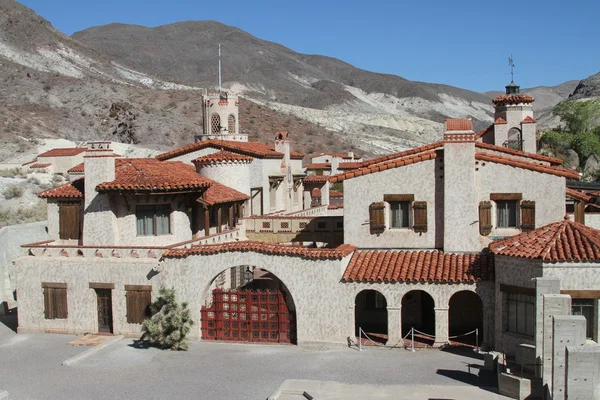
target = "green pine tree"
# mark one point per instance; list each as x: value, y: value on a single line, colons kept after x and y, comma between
x: 170, y: 322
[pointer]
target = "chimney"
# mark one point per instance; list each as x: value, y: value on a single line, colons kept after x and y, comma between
x: 99, y: 226
x: 351, y: 155
x: 461, y: 231
x: 282, y: 145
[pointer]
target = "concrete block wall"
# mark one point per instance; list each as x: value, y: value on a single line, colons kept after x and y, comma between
x: 568, y: 330
x: 553, y: 305
x: 583, y: 372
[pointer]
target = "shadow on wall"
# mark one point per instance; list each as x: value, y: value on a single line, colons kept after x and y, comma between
x: 9, y: 319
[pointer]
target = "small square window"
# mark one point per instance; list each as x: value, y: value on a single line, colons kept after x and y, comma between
x: 153, y: 220
x: 506, y: 213
x: 399, y: 214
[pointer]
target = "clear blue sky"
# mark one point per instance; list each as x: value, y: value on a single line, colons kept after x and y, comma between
x: 463, y: 43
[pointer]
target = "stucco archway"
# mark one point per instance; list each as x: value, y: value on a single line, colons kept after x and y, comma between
x: 418, y: 312
x: 465, y: 314
x: 370, y: 315
x: 248, y: 304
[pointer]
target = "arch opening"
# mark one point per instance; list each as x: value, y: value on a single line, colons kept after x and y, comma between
x: 418, y: 313
x: 370, y: 315
x: 248, y: 304
x: 465, y: 314
x: 231, y: 123
x: 515, y: 139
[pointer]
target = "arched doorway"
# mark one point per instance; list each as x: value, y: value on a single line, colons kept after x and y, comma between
x: 418, y: 312
x: 515, y: 139
x: 370, y: 315
x: 465, y: 314
x: 248, y: 304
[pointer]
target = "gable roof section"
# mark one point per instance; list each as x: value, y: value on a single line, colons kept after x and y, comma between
x: 384, y: 166
x: 318, y: 166
x: 221, y: 156
x: 567, y: 173
x: 393, y: 156
x: 152, y: 175
x: 264, y: 248
x: 40, y: 165
x: 534, y: 156
x: 218, y: 194
x: 252, y: 149
x: 560, y: 241
x: 76, y: 169
x: 70, y: 190
x: 528, y: 120
x: 418, y: 266
x: 63, y: 152
x: 577, y: 195
x: 487, y: 130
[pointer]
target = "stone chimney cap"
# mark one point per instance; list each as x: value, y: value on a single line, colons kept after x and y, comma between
x: 458, y: 124
x: 98, y: 145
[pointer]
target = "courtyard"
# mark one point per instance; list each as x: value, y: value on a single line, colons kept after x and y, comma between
x: 30, y: 366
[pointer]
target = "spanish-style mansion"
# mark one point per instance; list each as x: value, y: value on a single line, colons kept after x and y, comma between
x: 463, y: 234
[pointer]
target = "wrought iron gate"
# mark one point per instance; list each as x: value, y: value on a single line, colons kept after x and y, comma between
x: 248, y: 316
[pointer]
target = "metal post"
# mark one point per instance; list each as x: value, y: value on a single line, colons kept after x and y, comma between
x: 359, y: 339
x: 412, y: 339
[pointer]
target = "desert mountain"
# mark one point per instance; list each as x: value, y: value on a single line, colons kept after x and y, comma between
x: 546, y: 97
x: 588, y: 88
x: 56, y: 87
x: 381, y: 112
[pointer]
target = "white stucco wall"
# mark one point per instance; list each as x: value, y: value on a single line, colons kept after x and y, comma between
x: 234, y: 174
x: 419, y: 179
x: 60, y: 165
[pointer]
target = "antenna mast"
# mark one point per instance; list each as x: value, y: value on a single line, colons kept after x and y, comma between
x: 511, y: 64
x: 219, y: 67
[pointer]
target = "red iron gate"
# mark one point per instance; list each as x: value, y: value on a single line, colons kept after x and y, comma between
x: 248, y: 316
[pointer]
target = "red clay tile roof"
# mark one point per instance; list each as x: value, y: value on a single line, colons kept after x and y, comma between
x: 393, y: 156
x: 534, y: 156
x: 332, y: 193
x: 500, y: 121
x: 335, y: 193
x: 459, y: 124
x: 485, y: 131
x: 335, y: 206
x: 316, y: 178
x: 567, y: 173
x: 40, y: 165
x: 528, y: 120
x: 150, y: 174
x: 69, y: 190
x: 264, y: 248
x: 318, y: 166
x: 383, y: 166
x: 349, y: 165
x: 560, y: 241
x: 577, y: 195
x: 218, y: 193
x: 221, y: 156
x: 28, y: 162
x: 252, y: 149
x: 513, y: 99
x: 66, y: 152
x: 316, y: 192
x: 418, y: 266
x: 77, y: 168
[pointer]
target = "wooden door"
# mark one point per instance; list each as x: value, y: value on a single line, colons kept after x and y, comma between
x: 104, y: 303
x: 69, y: 216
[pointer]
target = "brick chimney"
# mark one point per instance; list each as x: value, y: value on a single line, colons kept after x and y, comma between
x: 461, y: 231
x: 99, y: 226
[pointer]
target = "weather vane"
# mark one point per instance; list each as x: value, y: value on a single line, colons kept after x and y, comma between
x: 511, y: 64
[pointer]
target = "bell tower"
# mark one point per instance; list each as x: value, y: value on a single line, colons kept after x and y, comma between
x: 220, y: 118
x: 514, y: 126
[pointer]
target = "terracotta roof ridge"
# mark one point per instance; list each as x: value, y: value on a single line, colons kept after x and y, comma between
x: 555, y: 238
x: 578, y: 195
x: 528, y: 165
x: 502, y: 149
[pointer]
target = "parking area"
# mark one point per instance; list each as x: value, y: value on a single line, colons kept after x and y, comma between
x: 31, y: 368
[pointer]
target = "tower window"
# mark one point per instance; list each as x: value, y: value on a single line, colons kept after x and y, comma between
x: 215, y: 124
x: 231, y: 123
x: 515, y: 140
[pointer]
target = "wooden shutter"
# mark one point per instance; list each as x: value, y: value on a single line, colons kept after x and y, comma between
x: 69, y: 220
x: 377, y: 218
x: 420, y: 216
x: 527, y: 216
x: 138, y: 302
x: 485, y: 218
x: 55, y: 301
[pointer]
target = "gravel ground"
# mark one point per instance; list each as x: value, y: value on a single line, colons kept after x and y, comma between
x: 31, y: 369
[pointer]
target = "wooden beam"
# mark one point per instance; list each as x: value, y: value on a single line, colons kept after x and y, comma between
x: 54, y: 285
x: 139, y: 288
x: 100, y: 285
x: 579, y: 211
x: 582, y: 294
x: 506, y: 196
x: 206, y: 221
x: 219, y: 218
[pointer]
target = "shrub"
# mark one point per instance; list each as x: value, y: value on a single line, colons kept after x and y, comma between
x: 170, y: 322
x: 37, y: 212
x: 11, y: 173
x: 13, y: 191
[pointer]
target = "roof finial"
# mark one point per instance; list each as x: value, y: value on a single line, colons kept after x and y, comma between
x: 567, y: 217
x: 511, y: 64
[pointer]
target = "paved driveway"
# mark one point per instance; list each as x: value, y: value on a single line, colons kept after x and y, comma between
x: 31, y: 368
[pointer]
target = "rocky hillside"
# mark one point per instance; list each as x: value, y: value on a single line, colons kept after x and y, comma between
x: 56, y: 87
x: 588, y: 88
x: 381, y: 112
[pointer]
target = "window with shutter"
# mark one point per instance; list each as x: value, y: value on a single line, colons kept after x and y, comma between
x: 527, y: 216
x: 485, y: 218
x: 55, y: 300
x: 138, y: 299
x: 377, y: 218
x: 420, y: 216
